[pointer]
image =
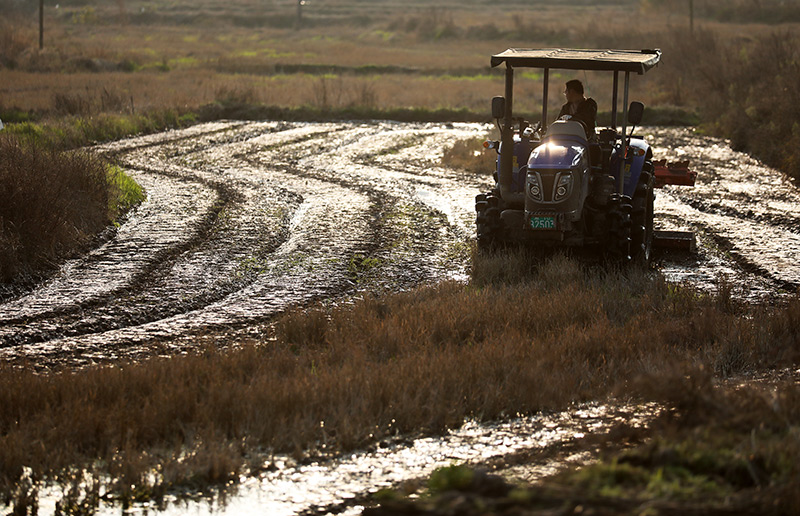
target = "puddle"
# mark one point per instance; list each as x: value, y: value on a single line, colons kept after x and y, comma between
x: 341, y: 483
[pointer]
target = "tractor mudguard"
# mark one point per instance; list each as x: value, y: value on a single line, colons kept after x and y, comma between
x: 638, y: 150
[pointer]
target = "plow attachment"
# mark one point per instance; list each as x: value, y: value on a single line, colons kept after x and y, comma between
x: 674, y: 173
x: 675, y: 241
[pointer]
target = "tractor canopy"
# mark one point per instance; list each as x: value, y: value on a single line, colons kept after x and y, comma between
x: 636, y: 61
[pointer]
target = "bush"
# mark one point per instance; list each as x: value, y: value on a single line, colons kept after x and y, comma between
x: 470, y: 156
x: 52, y: 202
x: 13, y: 40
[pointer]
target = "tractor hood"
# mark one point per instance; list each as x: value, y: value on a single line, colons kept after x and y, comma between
x: 556, y: 155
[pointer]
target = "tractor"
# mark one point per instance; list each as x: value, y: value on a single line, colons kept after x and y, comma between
x: 566, y: 185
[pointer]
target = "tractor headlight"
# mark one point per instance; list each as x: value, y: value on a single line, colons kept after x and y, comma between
x: 563, y: 187
x: 534, y: 188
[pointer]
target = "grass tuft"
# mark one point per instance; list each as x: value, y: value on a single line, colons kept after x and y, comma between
x: 124, y: 192
x: 471, y: 156
x: 52, y: 202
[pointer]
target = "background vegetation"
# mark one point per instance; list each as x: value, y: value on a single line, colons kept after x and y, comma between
x: 111, y: 68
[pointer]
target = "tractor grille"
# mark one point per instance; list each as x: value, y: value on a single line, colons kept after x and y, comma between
x: 548, y: 178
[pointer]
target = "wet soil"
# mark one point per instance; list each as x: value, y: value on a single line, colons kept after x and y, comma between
x: 241, y: 222
x: 745, y: 216
x: 246, y: 219
x: 524, y: 449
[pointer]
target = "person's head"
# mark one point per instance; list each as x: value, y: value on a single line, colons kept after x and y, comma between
x: 574, y: 91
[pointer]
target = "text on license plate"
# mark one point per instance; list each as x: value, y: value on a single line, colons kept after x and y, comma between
x: 538, y: 222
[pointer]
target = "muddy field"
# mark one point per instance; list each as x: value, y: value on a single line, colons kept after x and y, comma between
x: 244, y: 220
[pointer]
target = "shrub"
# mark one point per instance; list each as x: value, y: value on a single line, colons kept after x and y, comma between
x: 52, y: 203
x: 469, y: 155
x: 13, y: 40
x: 759, y: 115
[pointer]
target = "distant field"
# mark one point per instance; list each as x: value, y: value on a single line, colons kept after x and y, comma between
x: 133, y: 56
x: 208, y: 59
x: 383, y: 54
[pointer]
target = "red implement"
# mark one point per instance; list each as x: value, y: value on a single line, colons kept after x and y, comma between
x: 675, y: 173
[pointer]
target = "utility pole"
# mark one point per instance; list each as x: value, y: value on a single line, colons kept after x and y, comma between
x: 300, y: 4
x: 691, y: 16
x: 123, y: 13
x: 41, y: 24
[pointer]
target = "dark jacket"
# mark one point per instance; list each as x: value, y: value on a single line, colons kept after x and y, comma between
x: 586, y: 113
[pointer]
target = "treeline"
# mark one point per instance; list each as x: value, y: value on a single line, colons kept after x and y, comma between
x: 746, y: 90
x: 742, y: 87
x: 731, y: 11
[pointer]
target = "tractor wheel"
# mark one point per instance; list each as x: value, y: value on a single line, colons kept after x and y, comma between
x: 642, y: 218
x: 488, y: 221
x: 618, y: 247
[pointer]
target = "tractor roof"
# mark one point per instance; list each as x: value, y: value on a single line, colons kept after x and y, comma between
x: 638, y: 61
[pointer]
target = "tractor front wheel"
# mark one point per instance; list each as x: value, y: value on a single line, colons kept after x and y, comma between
x: 489, y: 224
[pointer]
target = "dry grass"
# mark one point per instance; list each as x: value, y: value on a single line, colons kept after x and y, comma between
x: 340, y: 378
x: 88, y: 94
x: 52, y: 203
x: 470, y: 156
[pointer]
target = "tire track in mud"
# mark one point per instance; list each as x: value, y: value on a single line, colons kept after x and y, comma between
x: 150, y: 265
x: 246, y: 219
x: 264, y: 215
x: 744, y: 213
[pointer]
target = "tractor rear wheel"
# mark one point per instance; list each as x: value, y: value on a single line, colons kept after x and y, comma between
x: 642, y: 217
x: 618, y: 246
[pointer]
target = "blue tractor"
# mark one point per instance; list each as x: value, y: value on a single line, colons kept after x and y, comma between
x: 564, y: 184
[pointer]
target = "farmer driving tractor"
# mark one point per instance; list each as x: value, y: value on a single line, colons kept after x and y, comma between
x: 578, y: 107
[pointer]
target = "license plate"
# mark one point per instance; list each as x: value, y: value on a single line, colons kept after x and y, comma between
x: 539, y: 222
